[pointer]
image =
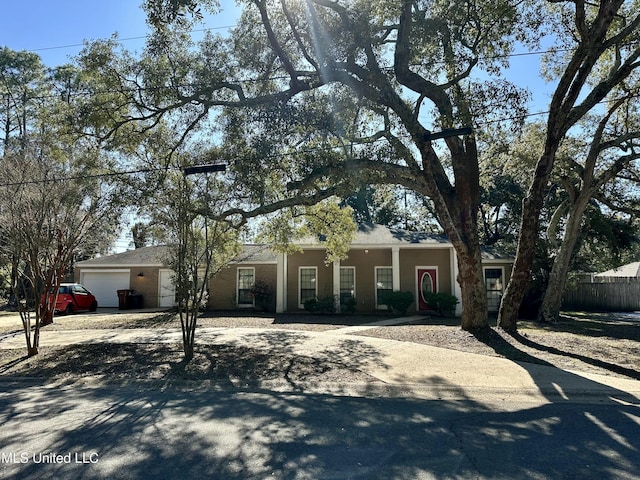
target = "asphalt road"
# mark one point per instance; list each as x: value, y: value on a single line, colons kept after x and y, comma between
x: 134, y: 432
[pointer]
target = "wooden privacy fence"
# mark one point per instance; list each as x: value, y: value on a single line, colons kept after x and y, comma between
x: 591, y: 293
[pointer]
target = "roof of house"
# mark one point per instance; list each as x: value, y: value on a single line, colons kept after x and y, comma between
x: 628, y: 270
x: 256, y: 253
x: 158, y: 256
x: 491, y: 253
x: 371, y: 235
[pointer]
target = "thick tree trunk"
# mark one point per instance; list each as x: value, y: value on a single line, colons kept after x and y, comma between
x: 521, y: 272
x: 463, y: 234
x: 474, y: 296
x: 552, y: 301
x: 529, y: 231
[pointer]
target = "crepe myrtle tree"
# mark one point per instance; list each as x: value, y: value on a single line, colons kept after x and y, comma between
x: 48, y: 214
x: 201, y: 246
x: 311, y: 94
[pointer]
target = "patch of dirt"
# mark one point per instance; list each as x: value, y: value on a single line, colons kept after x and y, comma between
x: 596, y: 343
x: 222, y: 364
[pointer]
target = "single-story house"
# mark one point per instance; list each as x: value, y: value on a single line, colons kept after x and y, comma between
x: 380, y: 260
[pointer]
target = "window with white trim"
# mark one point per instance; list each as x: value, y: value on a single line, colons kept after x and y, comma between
x: 347, y: 283
x: 494, y: 284
x: 384, y: 284
x: 246, y: 279
x: 308, y: 283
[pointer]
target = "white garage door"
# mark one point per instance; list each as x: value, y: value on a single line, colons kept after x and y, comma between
x: 104, y: 285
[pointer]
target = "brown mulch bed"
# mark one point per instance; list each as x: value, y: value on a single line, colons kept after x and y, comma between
x: 598, y: 343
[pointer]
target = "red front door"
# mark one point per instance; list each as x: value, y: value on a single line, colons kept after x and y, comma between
x: 427, y: 282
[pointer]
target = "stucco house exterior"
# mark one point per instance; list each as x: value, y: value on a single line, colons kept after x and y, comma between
x: 380, y: 260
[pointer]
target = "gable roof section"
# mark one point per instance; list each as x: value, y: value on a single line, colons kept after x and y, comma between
x: 157, y: 256
x: 628, y: 270
x: 492, y: 254
x: 256, y: 253
x: 372, y: 235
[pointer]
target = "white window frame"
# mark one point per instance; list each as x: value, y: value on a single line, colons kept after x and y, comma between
x: 253, y: 302
x: 353, y: 269
x: 484, y: 279
x: 381, y: 306
x: 315, y: 270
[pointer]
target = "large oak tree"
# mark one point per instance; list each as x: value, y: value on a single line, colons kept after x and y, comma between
x: 317, y: 92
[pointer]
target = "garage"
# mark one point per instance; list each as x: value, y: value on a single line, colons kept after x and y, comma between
x: 105, y: 283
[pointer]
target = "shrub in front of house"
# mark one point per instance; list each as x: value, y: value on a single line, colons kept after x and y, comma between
x: 348, y: 304
x: 399, y: 301
x: 442, y: 303
x: 262, y: 293
x: 323, y: 304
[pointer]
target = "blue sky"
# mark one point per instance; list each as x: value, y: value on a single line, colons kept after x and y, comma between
x: 55, y: 29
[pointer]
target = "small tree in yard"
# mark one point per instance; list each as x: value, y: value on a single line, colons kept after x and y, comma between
x: 203, y: 247
x: 45, y: 219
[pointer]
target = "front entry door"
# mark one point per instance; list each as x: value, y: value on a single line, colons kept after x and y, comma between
x: 427, y: 283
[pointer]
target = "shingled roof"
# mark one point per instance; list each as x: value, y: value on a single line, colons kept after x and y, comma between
x: 158, y: 256
x: 373, y: 235
x: 368, y: 235
x: 155, y: 256
x: 628, y: 270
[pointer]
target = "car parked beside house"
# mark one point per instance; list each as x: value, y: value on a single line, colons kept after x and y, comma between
x: 73, y: 297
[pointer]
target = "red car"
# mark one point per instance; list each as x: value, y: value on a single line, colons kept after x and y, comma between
x: 73, y: 297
